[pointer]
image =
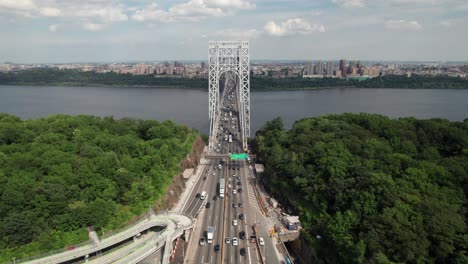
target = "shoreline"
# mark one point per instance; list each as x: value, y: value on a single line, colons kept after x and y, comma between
x: 270, y: 89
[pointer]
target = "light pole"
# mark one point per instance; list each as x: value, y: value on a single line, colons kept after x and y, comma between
x: 14, y: 260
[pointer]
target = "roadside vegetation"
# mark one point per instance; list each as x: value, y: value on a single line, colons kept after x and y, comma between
x: 61, y: 174
x: 78, y: 78
x: 374, y: 189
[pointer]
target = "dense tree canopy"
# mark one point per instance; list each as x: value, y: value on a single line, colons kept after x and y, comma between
x: 61, y: 173
x: 375, y: 189
x: 78, y: 78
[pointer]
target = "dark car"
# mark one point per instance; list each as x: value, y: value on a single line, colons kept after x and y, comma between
x: 234, y: 205
x: 216, y: 247
x: 197, y: 195
x: 239, y: 190
x: 241, y: 205
x: 239, y: 183
x: 215, y: 197
x: 241, y: 216
x: 242, y: 251
x: 204, y: 178
x: 242, y: 234
x: 208, y: 205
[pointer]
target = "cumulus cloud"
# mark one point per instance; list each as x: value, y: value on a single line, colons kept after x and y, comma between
x: 350, y: 3
x: 103, y: 11
x: 93, y: 26
x: 192, y: 10
x: 236, y: 34
x: 292, y: 27
x: 403, y: 24
x: 53, y: 27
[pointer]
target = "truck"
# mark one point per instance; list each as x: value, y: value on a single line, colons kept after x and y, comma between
x: 209, y: 234
x: 221, y: 188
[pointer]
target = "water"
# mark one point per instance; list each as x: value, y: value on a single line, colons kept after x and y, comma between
x: 191, y: 106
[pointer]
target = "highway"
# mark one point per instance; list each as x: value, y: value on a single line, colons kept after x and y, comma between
x: 222, y: 212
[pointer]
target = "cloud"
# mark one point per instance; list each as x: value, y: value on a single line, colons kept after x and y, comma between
x: 192, y: 10
x: 292, y: 27
x: 350, y: 3
x: 237, y: 34
x: 403, y: 25
x: 17, y: 4
x: 53, y: 27
x: 103, y: 11
x: 446, y: 23
x: 50, y: 12
x: 93, y: 26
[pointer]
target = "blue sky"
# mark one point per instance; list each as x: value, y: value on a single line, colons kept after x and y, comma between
x: 41, y: 31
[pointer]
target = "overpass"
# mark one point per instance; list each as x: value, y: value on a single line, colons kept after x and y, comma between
x: 175, y: 225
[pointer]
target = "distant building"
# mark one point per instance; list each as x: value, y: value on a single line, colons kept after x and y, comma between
x: 319, y: 68
x: 329, y: 68
x: 343, y: 69
x: 338, y: 74
x: 308, y: 69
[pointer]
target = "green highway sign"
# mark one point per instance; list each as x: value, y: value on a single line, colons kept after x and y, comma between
x: 239, y: 156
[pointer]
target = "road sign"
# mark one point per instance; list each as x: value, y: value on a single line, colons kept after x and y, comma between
x: 239, y: 156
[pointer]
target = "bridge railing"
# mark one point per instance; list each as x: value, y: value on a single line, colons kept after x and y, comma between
x: 54, y: 252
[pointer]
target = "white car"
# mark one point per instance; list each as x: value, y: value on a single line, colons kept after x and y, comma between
x: 202, y: 241
x: 234, y: 222
x: 228, y: 240
x: 261, y: 241
x: 234, y: 191
x: 235, y: 242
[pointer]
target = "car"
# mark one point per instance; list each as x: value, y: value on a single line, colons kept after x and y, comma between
x: 216, y: 247
x: 234, y: 222
x: 241, y: 205
x: 234, y: 205
x: 215, y: 198
x: 241, y: 216
x: 208, y: 205
x: 242, y: 251
x: 237, y: 168
x: 235, y: 242
x: 229, y: 185
x: 197, y: 195
x: 214, y: 174
x: 242, y: 234
x: 204, y: 178
x: 239, y: 183
x: 261, y: 241
x: 202, y: 241
x: 234, y: 191
x: 239, y: 190
x: 233, y: 175
x: 228, y: 240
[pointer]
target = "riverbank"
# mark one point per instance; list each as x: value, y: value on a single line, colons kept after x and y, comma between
x: 55, y: 77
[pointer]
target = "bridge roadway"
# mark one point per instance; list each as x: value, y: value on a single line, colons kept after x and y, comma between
x: 175, y: 224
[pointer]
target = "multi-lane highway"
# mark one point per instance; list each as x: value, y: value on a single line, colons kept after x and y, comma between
x: 228, y: 215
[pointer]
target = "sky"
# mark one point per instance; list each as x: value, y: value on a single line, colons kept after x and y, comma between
x: 61, y: 31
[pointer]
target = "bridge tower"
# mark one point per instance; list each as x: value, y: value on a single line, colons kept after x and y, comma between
x: 231, y: 57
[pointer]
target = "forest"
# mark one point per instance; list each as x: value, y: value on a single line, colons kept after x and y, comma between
x: 61, y: 174
x: 58, y: 77
x: 370, y: 189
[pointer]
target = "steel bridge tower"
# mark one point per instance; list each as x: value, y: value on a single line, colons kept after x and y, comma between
x: 231, y: 57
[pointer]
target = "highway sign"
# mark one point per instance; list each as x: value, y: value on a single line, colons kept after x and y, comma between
x: 239, y: 156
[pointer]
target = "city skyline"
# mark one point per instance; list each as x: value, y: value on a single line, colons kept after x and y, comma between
x: 52, y: 31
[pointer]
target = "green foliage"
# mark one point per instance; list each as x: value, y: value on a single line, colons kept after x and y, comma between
x: 40, y: 76
x: 60, y: 174
x: 377, y: 190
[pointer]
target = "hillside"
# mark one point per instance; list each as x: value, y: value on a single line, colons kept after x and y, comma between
x: 60, y: 174
x: 376, y: 190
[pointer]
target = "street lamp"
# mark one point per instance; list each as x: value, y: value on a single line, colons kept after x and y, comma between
x: 14, y: 260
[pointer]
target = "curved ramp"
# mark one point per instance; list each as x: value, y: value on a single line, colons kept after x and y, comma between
x: 175, y: 224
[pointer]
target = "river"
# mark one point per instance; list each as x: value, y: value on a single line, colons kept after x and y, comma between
x: 191, y: 106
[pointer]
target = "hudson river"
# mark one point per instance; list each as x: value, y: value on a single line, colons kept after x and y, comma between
x: 191, y: 106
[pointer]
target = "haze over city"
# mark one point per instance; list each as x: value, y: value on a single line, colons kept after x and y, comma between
x: 52, y: 31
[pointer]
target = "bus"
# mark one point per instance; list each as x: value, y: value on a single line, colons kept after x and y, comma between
x: 221, y: 188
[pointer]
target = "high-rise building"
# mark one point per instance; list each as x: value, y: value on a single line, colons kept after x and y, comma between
x: 308, y: 70
x: 319, y: 68
x: 330, y: 68
x: 344, y: 70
